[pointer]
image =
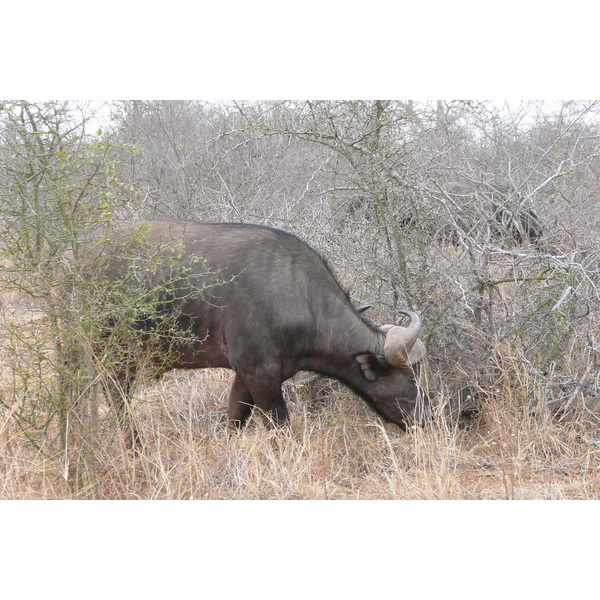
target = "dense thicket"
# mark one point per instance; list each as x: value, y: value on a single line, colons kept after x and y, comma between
x: 482, y: 216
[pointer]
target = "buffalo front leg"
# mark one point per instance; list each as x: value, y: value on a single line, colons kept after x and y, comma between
x: 267, y: 396
x: 262, y: 392
x: 240, y: 403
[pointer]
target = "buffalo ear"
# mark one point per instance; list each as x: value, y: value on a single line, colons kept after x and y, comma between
x: 371, y: 366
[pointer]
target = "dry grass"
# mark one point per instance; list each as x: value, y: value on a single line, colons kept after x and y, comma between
x: 336, y: 448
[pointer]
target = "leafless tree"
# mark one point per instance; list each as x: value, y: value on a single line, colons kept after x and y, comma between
x: 511, y: 263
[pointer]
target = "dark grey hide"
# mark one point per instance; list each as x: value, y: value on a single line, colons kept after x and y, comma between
x: 267, y: 307
x: 508, y: 209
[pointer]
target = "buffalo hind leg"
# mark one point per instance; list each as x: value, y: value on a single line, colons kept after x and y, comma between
x: 118, y: 390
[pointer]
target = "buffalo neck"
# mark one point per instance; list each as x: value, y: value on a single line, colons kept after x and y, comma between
x: 338, y: 349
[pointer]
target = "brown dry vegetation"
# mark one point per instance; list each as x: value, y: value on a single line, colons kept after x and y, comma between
x: 511, y: 326
x: 335, y: 448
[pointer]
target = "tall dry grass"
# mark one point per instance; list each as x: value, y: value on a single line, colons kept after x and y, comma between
x: 335, y: 448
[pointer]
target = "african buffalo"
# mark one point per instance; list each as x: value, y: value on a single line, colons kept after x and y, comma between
x: 265, y: 304
x: 509, y: 215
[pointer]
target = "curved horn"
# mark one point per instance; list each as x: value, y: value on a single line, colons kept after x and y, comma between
x: 361, y: 309
x: 402, y: 346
